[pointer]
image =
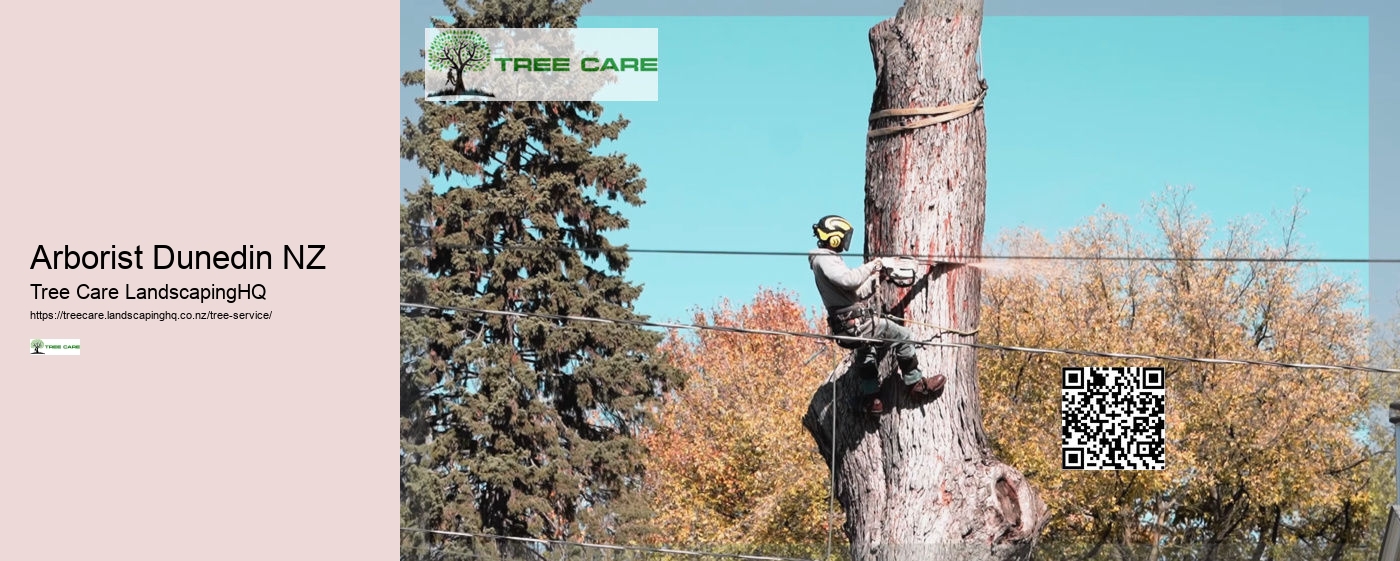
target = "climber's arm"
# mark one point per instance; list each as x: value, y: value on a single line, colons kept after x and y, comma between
x: 835, y: 270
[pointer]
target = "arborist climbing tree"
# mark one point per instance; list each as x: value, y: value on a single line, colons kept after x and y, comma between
x: 920, y: 482
x: 847, y: 294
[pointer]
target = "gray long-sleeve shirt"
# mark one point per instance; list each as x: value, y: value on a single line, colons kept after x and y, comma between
x: 838, y: 284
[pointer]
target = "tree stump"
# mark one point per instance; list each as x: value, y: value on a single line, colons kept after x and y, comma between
x: 920, y: 482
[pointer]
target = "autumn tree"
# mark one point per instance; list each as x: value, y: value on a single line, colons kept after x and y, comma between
x: 1261, y: 462
x: 519, y: 426
x: 921, y: 482
x: 1385, y: 354
x: 730, y: 468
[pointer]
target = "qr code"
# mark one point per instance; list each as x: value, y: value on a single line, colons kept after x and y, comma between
x: 1113, y: 418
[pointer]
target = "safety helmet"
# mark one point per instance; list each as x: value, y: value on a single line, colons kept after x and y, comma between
x: 833, y: 232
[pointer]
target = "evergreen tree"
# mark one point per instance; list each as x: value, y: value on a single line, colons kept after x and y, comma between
x: 517, y: 425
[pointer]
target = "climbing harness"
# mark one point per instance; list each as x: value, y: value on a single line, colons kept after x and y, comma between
x: 856, y: 320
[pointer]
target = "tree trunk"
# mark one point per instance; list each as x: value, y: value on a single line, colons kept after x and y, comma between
x: 454, y: 80
x: 919, y: 482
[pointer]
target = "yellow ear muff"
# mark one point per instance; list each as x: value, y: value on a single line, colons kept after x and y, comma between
x: 835, y: 240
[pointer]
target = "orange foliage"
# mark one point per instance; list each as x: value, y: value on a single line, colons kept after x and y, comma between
x: 730, y: 464
x: 1248, y: 448
x: 1259, y: 459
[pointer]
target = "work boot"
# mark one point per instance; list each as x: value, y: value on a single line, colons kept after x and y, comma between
x: 871, y: 405
x: 869, y: 400
x: 928, y: 387
x: 921, y: 387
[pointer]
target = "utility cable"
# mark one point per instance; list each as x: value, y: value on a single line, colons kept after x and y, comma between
x: 923, y: 259
x: 926, y: 343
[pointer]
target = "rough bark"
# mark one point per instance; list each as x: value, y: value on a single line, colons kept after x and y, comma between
x: 920, y: 481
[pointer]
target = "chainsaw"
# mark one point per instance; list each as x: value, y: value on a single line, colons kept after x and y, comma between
x: 901, y: 271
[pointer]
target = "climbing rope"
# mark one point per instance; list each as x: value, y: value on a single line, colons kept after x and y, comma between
x: 941, y: 114
x: 831, y: 481
x: 940, y: 329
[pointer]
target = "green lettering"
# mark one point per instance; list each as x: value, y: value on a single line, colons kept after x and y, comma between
x: 561, y: 65
x: 503, y: 63
x: 609, y: 64
x: 522, y: 63
x: 583, y: 65
x: 648, y: 65
x: 540, y: 65
x: 629, y: 64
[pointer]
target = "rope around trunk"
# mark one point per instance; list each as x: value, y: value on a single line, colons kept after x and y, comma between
x: 941, y: 114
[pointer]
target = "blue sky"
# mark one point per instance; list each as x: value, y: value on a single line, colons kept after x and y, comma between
x: 760, y: 130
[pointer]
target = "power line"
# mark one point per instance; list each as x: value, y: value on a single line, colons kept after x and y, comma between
x: 605, y: 546
x: 925, y: 258
x: 927, y: 343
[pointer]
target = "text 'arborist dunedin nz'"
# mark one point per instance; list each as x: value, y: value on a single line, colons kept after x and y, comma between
x: 164, y: 257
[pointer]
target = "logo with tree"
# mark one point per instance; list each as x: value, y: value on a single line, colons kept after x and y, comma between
x: 36, y: 344
x: 456, y: 52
